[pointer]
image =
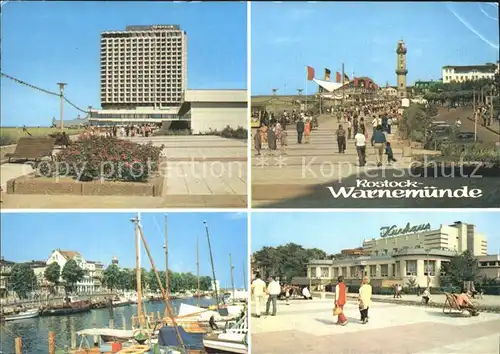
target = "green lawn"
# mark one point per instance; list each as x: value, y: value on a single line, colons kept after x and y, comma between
x: 10, y: 136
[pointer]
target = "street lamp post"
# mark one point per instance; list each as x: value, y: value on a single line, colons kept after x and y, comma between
x: 274, y: 98
x: 61, y: 102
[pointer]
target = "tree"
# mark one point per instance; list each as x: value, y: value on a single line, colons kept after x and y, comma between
x: 53, y: 274
x: 22, y: 280
x: 205, y: 283
x: 463, y: 267
x: 71, y: 274
x: 112, y: 277
x: 286, y: 261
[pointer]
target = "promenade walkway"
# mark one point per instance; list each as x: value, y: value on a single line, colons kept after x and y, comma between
x: 309, y: 327
x: 306, y: 176
x: 200, y: 171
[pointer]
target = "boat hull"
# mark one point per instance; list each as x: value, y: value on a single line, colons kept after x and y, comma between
x: 224, y: 346
x: 21, y: 316
x: 64, y: 311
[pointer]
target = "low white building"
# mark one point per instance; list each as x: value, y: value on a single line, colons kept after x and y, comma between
x: 408, y: 253
x: 462, y: 73
x: 211, y: 110
x: 87, y: 284
x: 201, y: 111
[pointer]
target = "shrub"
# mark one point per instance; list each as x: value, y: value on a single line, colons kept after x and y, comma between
x: 105, y: 157
x: 230, y: 133
x: 162, y: 131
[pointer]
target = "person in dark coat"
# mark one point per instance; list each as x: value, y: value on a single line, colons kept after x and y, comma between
x: 257, y: 141
x: 300, y: 130
x: 271, y: 139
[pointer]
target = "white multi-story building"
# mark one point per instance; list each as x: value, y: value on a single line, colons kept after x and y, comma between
x: 464, y: 73
x: 411, y: 252
x: 87, y: 285
x: 143, y: 66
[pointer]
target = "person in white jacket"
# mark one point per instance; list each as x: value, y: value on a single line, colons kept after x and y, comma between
x: 258, y: 292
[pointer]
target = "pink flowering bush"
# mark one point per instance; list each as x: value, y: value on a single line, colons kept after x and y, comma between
x: 106, y: 158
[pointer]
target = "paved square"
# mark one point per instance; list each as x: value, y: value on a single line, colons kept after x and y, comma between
x: 201, y: 171
x: 309, y: 327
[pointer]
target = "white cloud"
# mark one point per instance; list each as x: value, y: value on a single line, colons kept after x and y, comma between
x: 237, y: 216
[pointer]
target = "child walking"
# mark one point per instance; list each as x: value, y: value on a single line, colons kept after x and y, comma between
x: 389, y: 153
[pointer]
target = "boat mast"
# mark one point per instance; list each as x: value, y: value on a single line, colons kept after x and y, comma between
x: 166, y: 298
x: 167, y: 289
x: 136, y: 221
x: 198, y: 267
x: 213, y: 268
x: 244, y: 276
x: 232, y: 277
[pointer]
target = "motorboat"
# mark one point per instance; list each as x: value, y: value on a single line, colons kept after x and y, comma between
x: 22, y: 315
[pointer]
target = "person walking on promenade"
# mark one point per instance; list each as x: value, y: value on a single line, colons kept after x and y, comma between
x: 365, y: 299
x: 257, y: 141
x: 341, y: 141
x: 378, y: 142
x: 273, y: 290
x: 374, y: 123
x: 340, y: 300
x: 300, y: 130
x: 360, y: 143
x: 258, y: 291
x: 349, y: 129
x: 284, y: 141
x: 271, y: 139
x: 307, y: 130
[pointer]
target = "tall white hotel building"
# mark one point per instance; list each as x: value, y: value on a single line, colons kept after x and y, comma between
x: 143, y: 74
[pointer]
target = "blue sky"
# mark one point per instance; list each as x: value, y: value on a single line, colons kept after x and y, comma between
x: 48, y: 42
x: 100, y: 236
x: 333, y: 231
x: 363, y: 35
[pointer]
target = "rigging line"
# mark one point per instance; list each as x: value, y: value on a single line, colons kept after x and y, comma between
x: 29, y: 85
x: 45, y: 91
x: 75, y: 106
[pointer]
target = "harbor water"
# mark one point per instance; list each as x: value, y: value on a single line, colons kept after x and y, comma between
x: 35, y: 331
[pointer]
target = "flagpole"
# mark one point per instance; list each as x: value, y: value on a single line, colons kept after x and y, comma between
x: 305, y: 83
x: 343, y: 79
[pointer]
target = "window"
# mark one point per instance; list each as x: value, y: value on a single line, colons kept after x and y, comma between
x: 325, y: 272
x: 373, y: 271
x: 411, y: 268
x: 429, y: 268
x: 354, y: 272
x: 384, y: 270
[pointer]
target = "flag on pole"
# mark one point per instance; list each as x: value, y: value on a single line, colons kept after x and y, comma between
x: 310, y: 73
x: 346, y: 78
x: 338, y: 77
x: 327, y: 74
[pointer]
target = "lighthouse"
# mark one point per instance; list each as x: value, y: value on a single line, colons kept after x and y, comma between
x: 401, y: 69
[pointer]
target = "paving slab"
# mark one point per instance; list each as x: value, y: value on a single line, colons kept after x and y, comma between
x: 199, y: 171
x: 308, y: 326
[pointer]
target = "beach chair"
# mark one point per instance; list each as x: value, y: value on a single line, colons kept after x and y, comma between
x: 32, y: 148
x: 450, y: 304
